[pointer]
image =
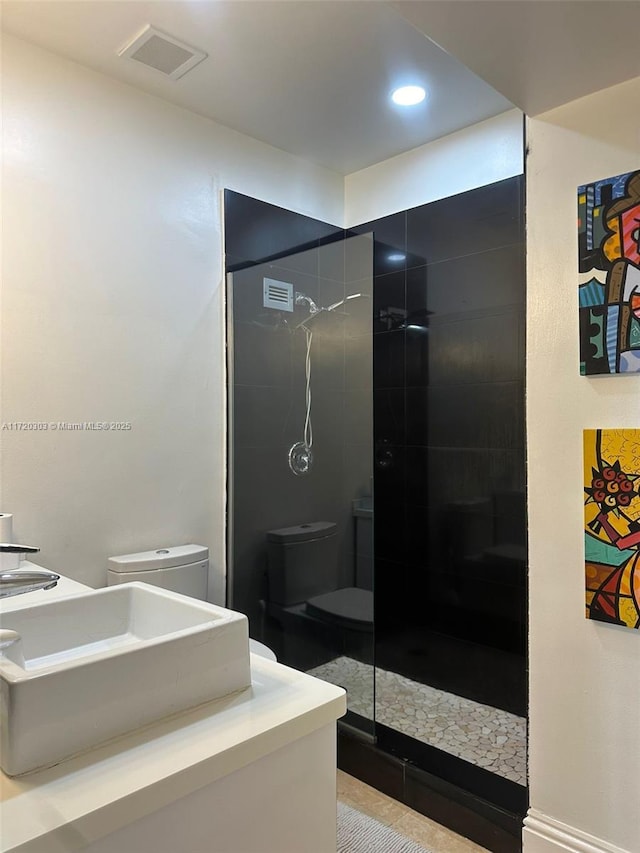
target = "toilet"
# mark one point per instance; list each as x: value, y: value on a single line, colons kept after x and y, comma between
x: 181, y: 568
x: 303, y: 575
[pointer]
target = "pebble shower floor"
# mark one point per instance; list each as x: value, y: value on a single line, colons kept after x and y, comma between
x: 486, y: 736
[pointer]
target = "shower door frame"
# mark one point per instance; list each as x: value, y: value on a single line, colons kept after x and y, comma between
x: 230, y: 449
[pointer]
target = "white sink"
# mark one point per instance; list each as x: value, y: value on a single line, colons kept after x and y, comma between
x: 75, y: 672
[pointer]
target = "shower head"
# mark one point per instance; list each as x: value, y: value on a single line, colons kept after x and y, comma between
x: 314, y: 311
x: 342, y: 301
x: 302, y: 299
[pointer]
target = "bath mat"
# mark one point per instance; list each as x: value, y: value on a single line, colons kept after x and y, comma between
x: 358, y: 833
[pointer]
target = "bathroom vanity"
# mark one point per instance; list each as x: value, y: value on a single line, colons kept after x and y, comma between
x: 252, y: 772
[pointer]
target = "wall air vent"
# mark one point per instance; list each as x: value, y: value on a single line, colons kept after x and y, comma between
x: 162, y: 52
x: 277, y: 294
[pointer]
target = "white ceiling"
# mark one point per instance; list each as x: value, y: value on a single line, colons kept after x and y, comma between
x: 538, y: 53
x: 313, y: 77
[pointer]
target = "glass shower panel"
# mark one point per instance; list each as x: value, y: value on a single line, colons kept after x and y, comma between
x: 301, y: 438
x: 451, y: 544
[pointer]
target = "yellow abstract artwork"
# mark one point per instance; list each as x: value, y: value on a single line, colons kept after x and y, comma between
x: 612, y: 525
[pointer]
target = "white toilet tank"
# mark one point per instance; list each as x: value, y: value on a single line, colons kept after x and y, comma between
x: 182, y: 568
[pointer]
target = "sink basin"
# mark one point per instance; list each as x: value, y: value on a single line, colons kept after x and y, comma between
x: 78, y: 671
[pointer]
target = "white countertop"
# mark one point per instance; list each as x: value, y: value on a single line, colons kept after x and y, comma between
x: 107, y: 788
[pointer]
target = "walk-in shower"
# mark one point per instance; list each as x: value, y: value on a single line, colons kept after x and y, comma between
x: 377, y: 526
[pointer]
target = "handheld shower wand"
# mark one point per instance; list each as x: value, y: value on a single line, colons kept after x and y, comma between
x: 300, y: 454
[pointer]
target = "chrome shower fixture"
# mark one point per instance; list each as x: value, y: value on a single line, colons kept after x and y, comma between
x: 301, y: 299
x: 342, y: 301
x: 314, y: 311
x: 301, y: 453
x: 300, y: 458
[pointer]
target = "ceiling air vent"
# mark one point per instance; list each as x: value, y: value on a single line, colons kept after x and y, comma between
x: 162, y: 52
x: 277, y: 294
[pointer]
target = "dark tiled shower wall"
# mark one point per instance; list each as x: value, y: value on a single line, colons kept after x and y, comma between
x: 256, y: 230
x: 269, y: 386
x: 450, y: 532
x: 448, y: 322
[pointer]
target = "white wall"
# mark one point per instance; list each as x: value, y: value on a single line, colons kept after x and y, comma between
x: 585, y: 676
x: 478, y: 155
x: 112, y: 309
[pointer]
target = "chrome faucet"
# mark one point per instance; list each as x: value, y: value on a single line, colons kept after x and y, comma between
x: 11, y: 548
x: 24, y: 580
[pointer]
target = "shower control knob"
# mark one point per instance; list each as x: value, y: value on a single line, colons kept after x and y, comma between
x: 300, y: 458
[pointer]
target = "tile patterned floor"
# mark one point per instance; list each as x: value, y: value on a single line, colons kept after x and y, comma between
x: 411, y: 824
x: 486, y: 736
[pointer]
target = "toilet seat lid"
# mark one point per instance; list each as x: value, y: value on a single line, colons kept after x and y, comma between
x: 303, y: 532
x: 350, y: 607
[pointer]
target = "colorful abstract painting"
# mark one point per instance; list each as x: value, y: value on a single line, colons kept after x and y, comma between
x: 612, y: 525
x: 609, y: 281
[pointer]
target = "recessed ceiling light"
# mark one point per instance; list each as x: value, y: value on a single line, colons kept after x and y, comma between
x: 396, y: 256
x: 407, y: 96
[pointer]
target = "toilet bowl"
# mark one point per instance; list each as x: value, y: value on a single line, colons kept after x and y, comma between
x: 303, y: 573
x: 181, y: 568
